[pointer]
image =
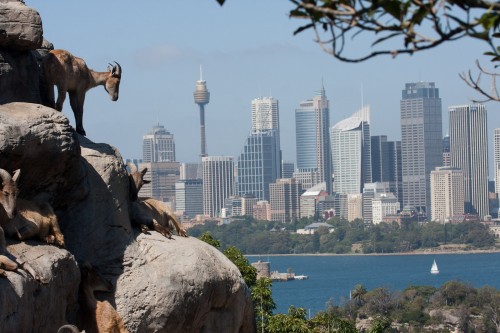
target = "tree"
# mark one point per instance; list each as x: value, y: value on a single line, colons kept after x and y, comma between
x: 295, y: 321
x: 380, y: 325
x: 401, y: 27
x: 358, y: 293
x: 248, y: 272
x: 263, y: 302
x: 209, y: 239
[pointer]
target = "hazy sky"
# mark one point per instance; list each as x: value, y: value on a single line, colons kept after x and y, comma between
x: 247, y: 50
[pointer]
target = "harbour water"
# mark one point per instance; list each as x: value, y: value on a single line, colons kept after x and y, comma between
x: 332, y: 277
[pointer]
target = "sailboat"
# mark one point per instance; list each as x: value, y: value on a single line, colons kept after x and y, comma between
x: 434, y: 268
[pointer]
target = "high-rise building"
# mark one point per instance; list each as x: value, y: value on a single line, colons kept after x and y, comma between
x: 202, y: 97
x: 380, y: 159
x: 262, y: 210
x: 369, y: 192
x: 312, y: 122
x: 351, y: 151
x: 496, y: 156
x: 386, y: 164
x: 259, y: 164
x: 354, y: 206
x: 307, y: 178
x: 446, y: 151
x: 265, y: 114
x: 158, y: 145
x: 447, y: 193
x: 163, y: 176
x: 190, y: 171
x: 396, y: 163
x: 285, y: 200
x: 287, y: 169
x: 469, y: 152
x: 218, y: 183
x: 421, y: 142
x: 189, y: 197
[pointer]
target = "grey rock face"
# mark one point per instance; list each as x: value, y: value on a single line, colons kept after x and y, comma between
x: 41, y: 142
x: 19, y: 77
x: 162, y: 285
x: 182, y: 285
x: 27, y: 305
x: 20, y: 26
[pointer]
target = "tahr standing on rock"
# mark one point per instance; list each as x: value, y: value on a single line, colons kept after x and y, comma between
x: 71, y: 74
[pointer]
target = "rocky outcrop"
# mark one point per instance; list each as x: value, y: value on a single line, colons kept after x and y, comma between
x: 41, y: 143
x: 21, y: 34
x: 162, y: 285
x: 20, y: 26
x: 27, y: 305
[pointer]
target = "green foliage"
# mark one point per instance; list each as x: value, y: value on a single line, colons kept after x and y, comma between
x: 295, y: 321
x: 263, y: 302
x: 209, y: 239
x: 358, y: 294
x: 380, y: 325
x: 263, y: 237
x: 478, y: 310
x: 248, y: 272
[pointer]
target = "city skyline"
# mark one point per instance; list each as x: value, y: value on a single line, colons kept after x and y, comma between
x: 242, y: 59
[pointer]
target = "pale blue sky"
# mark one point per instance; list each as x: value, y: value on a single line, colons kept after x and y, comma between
x: 247, y: 50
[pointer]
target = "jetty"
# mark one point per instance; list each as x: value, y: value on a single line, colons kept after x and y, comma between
x: 263, y: 270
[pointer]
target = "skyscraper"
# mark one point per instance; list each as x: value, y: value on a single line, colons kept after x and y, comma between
x: 312, y: 122
x: 285, y: 200
x: 351, y: 151
x: 469, y: 152
x: 380, y: 159
x: 202, y: 97
x: 259, y: 164
x: 496, y: 156
x: 189, y: 197
x: 158, y: 145
x: 447, y: 193
x: 287, y: 169
x: 218, y: 183
x: 446, y: 151
x: 163, y: 176
x: 421, y: 141
x: 265, y: 114
x: 386, y: 164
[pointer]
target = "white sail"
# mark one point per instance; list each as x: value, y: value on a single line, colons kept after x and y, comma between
x: 434, y: 268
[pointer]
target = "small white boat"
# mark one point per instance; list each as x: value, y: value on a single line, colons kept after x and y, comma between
x: 434, y: 268
x: 301, y: 277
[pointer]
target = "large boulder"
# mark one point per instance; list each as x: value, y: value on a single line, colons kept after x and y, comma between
x: 162, y: 285
x: 182, y: 285
x: 41, y: 143
x: 20, y: 26
x: 21, y: 49
x: 29, y: 305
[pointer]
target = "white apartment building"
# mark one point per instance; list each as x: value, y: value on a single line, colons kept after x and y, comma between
x: 447, y: 193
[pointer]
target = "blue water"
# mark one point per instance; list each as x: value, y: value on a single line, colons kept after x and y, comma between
x: 332, y: 277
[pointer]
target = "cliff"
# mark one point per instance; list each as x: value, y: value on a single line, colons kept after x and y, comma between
x: 160, y: 285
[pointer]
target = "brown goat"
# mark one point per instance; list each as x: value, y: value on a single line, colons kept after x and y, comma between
x: 96, y: 316
x: 71, y: 74
x: 5, y: 262
x: 25, y: 219
x: 148, y: 213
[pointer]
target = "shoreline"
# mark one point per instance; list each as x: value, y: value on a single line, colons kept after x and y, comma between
x: 412, y: 253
